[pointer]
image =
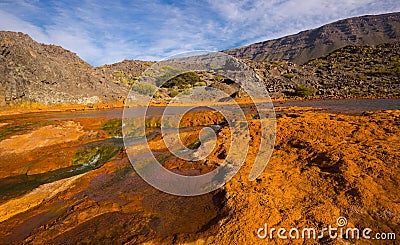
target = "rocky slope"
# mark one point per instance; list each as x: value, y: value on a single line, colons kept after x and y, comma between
x: 31, y: 72
x: 311, y: 44
x: 352, y: 71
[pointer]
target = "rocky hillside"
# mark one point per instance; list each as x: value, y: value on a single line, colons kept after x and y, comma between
x: 311, y: 44
x: 31, y: 72
x: 352, y: 71
x: 124, y: 72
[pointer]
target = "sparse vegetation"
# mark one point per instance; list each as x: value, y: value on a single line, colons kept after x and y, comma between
x: 218, y: 78
x: 200, y: 84
x: 113, y: 127
x: 304, y: 91
x: 289, y: 75
x: 276, y: 63
x: 182, y: 81
x: 173, y: 93
x: 125, y: 78
x: 103, y: 153
x: 144, y: 88
x: 18, y: 128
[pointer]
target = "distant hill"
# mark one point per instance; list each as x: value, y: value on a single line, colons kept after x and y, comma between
x: 48, y: 74
x: 315, y: 43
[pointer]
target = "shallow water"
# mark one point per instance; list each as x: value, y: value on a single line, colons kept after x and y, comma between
x: 353, y: 106
x: 350, y: 106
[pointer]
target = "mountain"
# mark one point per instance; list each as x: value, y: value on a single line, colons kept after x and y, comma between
x: 348, y: 58
x: 31, y: 72
x: 352, y: 71
x: 315, y: 43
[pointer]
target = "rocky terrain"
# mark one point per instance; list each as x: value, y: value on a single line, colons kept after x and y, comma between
x: 357, y: 57
x: 323, y: 166
x: 311, y: 44
x: 352, y: 71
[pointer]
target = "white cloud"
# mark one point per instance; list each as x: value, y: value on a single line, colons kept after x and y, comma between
x: 261, y: 20
x: 107, y: 32
x: 10, y: 22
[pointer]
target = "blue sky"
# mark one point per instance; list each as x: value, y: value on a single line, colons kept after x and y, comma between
x: 104, y: 32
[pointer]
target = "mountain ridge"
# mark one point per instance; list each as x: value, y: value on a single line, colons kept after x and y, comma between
x: 310, y: 44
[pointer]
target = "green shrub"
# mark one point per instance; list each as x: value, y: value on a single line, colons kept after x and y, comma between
x: 218, y: 78
x: 200, y: 84
x: 173, y: 93
x: 275, y: 63
x: 144, y: 88
x: 304, y: 91
x: 289, y: 75
x: 182, y: 80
